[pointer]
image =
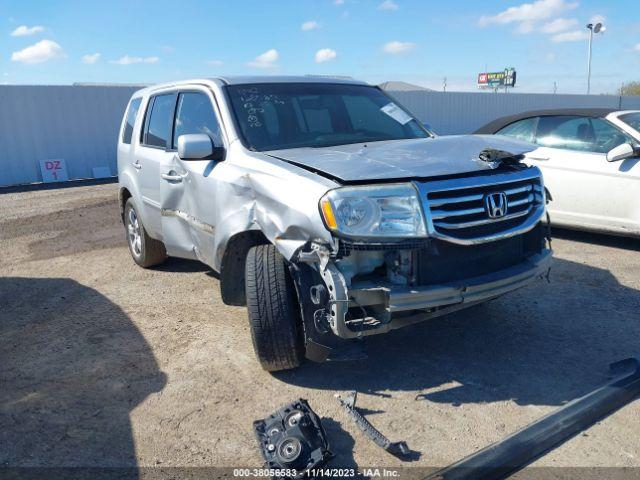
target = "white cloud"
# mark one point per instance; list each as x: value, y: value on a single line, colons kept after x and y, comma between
x: 396, y: 48
x: 637, y: 47
x: 578, y: 35
x: 90, y: 59
x: 388, y: 5
x: 310, y: 25
x: 24, y: 31
x: 524, y: 28
x: 215, y: 63
x: 528, y: 12
x: 338, y: 2
x: 528, y: 17
x: 129, y: 60
x: 168, y: 49
x: 572, y: 36
x: 325, y: 54
x: 267, y: 59
x: 40, y: 52
x: 559, y: 25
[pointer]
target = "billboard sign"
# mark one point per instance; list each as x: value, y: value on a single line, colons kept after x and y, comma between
x: 506, y: 78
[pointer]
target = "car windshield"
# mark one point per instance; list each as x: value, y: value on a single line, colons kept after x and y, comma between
x: 632, y: 119
x: 289, y: 115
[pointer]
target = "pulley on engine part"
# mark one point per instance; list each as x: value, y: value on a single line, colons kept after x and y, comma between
x: 293, y: 438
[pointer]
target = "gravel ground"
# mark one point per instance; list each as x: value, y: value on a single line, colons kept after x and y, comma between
x: 103, y: 363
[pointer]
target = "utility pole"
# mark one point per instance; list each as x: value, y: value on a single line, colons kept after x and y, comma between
x: 597, y: 28
x: 590, y: 27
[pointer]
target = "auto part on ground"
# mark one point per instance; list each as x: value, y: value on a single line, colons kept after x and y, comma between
x: 524, y: 446
x: 293, y: 438
x: 397, y: 449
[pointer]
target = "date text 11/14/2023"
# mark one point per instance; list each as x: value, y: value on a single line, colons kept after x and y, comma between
x: 316, y: 473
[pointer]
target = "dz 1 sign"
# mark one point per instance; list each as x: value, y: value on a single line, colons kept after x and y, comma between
x: 497, y: 79
x: 53, y: 171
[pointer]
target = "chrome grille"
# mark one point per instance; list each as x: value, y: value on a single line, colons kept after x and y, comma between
x: 457, y: 210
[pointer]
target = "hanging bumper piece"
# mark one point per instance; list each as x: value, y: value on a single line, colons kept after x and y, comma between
x: 397, y: 449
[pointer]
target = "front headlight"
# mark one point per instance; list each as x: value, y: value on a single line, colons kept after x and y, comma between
x: 392, y: 211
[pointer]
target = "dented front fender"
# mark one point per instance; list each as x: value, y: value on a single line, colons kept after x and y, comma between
x: 256, y: 192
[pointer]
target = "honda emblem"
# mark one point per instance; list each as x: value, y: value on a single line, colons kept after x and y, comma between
x: 496, y: 204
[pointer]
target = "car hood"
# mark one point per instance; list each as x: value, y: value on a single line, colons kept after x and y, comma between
x: 398, y: 159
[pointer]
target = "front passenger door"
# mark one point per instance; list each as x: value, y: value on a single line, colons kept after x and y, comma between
x: 587, y: 190
x: 188, y: 188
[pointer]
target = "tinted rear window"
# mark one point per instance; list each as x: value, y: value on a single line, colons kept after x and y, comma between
x: 522, y: 129
x: 132, y: 113
x: 160, y: 121
x: 632, y: 119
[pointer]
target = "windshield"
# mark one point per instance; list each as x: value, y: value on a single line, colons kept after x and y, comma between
x: 290, y: 115
x: 632, y: 119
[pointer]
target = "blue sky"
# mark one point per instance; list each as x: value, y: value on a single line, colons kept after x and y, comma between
x: 62, y: 42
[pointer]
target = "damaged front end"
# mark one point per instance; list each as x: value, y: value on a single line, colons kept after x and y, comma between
x: 482, y: 237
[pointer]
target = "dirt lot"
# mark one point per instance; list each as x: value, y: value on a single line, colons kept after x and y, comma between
x: 103, y: 363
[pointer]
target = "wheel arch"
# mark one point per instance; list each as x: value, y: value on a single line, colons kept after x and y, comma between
x: 123, y: 195
x: 232, y: 279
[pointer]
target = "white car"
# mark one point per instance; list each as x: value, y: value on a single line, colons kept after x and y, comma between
x: 590, y: 159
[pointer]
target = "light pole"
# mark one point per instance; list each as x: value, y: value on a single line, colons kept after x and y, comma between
x: 597, y: 28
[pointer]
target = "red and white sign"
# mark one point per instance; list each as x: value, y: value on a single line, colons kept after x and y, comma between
x: 53, y: 171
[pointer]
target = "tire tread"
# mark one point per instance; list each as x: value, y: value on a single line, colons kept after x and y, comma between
x: 273, y: 311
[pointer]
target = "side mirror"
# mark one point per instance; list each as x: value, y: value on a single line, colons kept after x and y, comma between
x: 622, y: 152
x: 198, y: 146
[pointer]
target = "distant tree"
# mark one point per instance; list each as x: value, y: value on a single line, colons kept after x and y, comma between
x: 631, y: 88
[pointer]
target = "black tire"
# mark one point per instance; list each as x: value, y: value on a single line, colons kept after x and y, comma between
x: 274, y: 313
x: 149, y: 251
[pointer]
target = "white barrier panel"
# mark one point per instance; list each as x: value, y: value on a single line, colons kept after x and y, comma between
x: 80, y: 123
x: 76, y: 123
x: 452, y: 113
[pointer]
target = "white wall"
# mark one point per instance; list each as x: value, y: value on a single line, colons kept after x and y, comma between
x: 80, y: 123
x: 451, y: 113
x: 76, y: 123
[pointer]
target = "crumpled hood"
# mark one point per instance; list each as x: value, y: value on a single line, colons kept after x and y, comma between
x: 397, y: 159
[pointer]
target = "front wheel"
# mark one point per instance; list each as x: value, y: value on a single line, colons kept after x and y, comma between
x: 146, y: 251
x: 274, y: 313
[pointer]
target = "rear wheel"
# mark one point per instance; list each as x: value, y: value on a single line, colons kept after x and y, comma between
x: 274, y: 313
x: 146, y: 251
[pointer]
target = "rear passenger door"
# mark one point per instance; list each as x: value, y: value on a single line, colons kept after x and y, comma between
x: 189, y: 188
x: 155, y: 140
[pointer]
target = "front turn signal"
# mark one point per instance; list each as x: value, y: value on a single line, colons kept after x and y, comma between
x: 327, y: 213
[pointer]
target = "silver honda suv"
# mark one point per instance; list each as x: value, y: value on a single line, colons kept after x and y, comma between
x: 325, y: 207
